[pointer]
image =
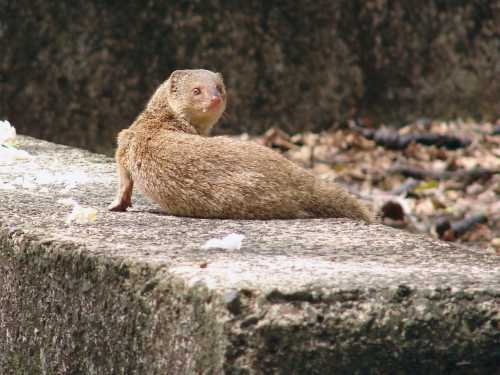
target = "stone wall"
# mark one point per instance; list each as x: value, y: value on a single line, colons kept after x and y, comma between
x: 136, y: 293
x: 77, y: 72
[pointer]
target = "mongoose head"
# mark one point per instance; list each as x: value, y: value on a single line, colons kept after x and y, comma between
x: 197, y: 96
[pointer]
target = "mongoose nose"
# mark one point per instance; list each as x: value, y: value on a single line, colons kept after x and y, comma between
x: 215, y: 100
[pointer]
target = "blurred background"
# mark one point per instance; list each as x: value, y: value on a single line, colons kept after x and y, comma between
x: 397, y: 100
x: 77, y: 72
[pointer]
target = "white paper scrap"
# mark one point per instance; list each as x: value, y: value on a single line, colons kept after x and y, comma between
x: 230, y: 242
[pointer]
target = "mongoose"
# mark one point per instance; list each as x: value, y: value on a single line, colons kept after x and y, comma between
x: 167, y: 155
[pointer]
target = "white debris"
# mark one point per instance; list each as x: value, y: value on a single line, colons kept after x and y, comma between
x: 4, y: 186
x: 7, y: 137
x: 9, y: 153
x: 79, y: 214
x: 7, y: 132
x: 230, y: 242
x: 82, y: 215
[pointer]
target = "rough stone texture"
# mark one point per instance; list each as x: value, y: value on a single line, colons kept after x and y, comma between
x: 134, y: 293
x: 77, y: 72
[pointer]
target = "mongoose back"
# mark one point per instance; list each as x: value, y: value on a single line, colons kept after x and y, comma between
x: 167, y: 155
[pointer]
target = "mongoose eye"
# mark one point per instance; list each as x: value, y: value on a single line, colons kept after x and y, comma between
x: 196, y: 91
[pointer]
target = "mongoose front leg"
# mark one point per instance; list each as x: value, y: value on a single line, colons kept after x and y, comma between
x: 124, y: 197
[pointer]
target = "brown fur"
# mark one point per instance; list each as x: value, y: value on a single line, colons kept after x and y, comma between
x: 191, y: 175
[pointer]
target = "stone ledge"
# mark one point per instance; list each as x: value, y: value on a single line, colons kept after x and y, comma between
x: 133, y: 293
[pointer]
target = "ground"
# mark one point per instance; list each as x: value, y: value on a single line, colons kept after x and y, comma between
x: 421, y: 188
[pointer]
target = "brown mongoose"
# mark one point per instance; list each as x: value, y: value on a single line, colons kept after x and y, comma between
x: 167, y: 155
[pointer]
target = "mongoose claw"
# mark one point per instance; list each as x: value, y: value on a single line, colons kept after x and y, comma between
x: 119, y: 205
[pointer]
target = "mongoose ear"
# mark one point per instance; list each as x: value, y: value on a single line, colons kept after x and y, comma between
x: 176, y: 74
x: 175, y: 77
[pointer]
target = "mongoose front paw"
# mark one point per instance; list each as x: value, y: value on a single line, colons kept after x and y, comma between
x: 119, y: 205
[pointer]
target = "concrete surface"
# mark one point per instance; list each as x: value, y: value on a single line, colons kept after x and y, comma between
x: 133, y: 293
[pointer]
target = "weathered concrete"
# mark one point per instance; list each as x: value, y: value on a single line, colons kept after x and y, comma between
x: 134, y: 293
x: 76, y: 72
